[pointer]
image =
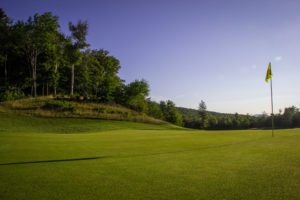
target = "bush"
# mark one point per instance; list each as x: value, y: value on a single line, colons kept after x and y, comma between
x: 137, y: 103
x: 12, y: 93
x: 154, y: 110
x: 59, y: 106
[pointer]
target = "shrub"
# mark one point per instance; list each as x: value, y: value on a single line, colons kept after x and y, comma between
x: 12, y: 93
x: 137, y: 103
x: 59, y: 106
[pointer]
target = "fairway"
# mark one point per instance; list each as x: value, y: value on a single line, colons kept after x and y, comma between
x: 60, y: 158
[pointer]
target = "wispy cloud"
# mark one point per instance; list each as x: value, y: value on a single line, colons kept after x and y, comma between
x: 278, y: 58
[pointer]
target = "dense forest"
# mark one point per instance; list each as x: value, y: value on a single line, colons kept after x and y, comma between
x: 36, y: 59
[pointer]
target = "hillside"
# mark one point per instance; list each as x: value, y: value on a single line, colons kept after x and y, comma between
x: 13, y: 122
x: 220, y: 121
x: 190, y: 112
x: 50, y: 107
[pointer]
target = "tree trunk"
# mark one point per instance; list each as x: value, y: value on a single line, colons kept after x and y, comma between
x: 47, y: 89
x: 72, y: 80
x: 43, y: 91
x: 34, y: 86
x: 55, y: 83
x: 5, y: 71
x: 54, y: 91
x: 33, y: 62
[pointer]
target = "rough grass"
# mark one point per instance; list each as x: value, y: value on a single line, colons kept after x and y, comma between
x: 49, y: 107
x: 125, y: 160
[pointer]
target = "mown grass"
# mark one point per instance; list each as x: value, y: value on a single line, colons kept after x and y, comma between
x: 125, y: 160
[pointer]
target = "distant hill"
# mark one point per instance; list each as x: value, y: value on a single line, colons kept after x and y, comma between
x: 215, y: 120
x: 193, y: 113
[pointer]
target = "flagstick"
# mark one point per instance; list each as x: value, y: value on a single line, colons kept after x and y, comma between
x: 272, y: 109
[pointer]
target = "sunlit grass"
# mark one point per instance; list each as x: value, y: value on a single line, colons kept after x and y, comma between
x: 59, y: 158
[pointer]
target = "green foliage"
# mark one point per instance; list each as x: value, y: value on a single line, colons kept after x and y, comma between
x: 94, y: 63
x: 111, y: 81
x: 212, y: 121
x: 4, y: 36
x: 289, y: 119
x: 79, y: 32
x: 136, y: 93
x: 153, y: 109
x: 203, y: 115
x: 11, y: 93
x: 82, y: 79
x: 35, y: 37
x: 77, y: 43
x: 137, y: 103
x: 171, y: 113
x: 4, y: 22
x: 54, y: 60
x: 59, y: 106
x: 138, y: 88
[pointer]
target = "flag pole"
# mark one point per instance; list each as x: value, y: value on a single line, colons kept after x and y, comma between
x: 272, y: 108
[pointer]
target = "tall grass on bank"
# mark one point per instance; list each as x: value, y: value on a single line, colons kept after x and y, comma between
x: 50, y: 107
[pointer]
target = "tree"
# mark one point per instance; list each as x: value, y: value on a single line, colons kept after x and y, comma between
x: 78, y: 36
x: 288, y: 116
x: 111, y: 81
x: 96, y: 69
x: 203, y: 114
x: 56, y: 58
x: 119, y: 94
x: 83, y: 76
x: 4, y: 41
x: 171, y: 113
x: 136, y: 93
x: 236, y: 121
x: 296, y: 119
x: 212, y: 122
x: 153, y: 109
x: 37, y: 35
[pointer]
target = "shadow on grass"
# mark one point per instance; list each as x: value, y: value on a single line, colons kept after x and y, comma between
x: 140, y: 155
x: 52, y: 161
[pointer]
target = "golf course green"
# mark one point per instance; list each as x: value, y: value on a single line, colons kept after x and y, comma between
x: 65, y: 158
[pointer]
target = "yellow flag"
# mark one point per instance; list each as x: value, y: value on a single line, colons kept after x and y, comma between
x: 269, y: 73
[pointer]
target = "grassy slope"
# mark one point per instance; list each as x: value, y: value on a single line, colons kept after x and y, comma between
x: 71, y: 109
x: 123, y: 160
x: 15, y: 123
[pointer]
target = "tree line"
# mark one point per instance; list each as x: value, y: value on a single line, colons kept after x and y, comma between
x: 203, y: 119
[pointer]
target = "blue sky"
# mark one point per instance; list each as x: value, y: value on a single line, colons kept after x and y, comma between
x: 188, y: 51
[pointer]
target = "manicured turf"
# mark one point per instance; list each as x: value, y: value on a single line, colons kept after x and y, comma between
x: 90, y: 159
